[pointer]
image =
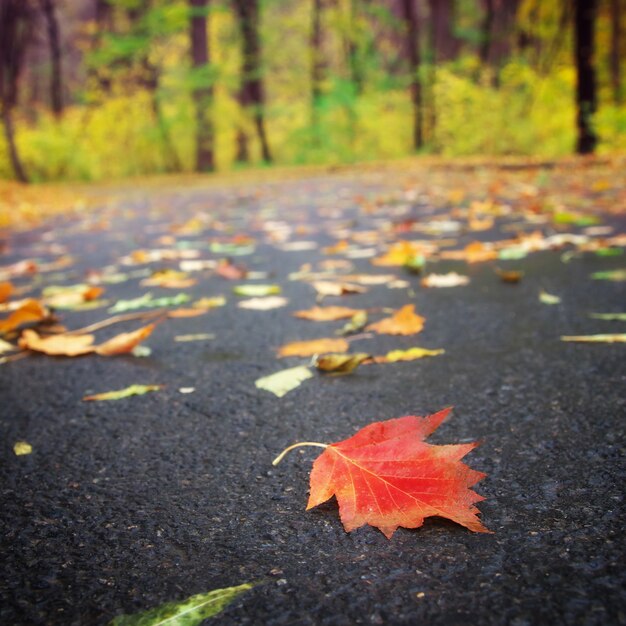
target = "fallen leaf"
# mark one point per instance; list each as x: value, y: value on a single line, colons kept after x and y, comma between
x: 387, y: 477
x: 195, y: 337
x: 613, y: 275
x: 451, y: 279
x: 327, y: 313
x: 124, y: 342
x: 29, y: 312
x: 314, y: 346
x: 619, y: 317
x: 510, y: 276
x: 70, y: 297
x: 263, y: 304
x: 209, y: 303
x: 399, y: 253
x: 284, y: 381
x: 610, y: 338
x: 57, y: 345
x: 148, y: 302
x: 230, y: 271
x: 403, y: 322
x: 477, y: 252
x: 355, y: 325
x: 132, y: 390
x: 20, y: 448
x: 181, y: 313
x: 328, y: 288
x: 5, y: 346
x: 168, y: 279
x: 340, y: 363
x: 189, y: 612
x: 256, y: 291
x: 6, y: 289
x: 411, y: 354
x: 548, y: 298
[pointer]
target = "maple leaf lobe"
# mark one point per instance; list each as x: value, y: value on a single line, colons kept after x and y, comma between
x: 387, y: 477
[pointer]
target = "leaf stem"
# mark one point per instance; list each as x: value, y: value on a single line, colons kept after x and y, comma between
x: 145, y: 315
x: 280, y: 457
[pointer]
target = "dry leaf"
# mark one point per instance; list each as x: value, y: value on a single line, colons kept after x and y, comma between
x: 452, y: 279
x: 281, y: 383
x: 314, y: 346
x: 30, y: 311
x: 605, y: 338
x: 328, y: 288
x: 387, y: 477
x: 263, y: 304
x: 477, y: 252
x: 124, y: 342
x: 407, y: 355
x: 403, y: 322
x: 132, y: 390
x: 6, y: 289
x: 57, y: 345
x: 327, y: 313
x: 340, y: 363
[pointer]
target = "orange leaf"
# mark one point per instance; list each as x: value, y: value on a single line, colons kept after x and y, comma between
x: 57, y: 345
x: 477, y: 252
x: 387, y: 477
x: 6, y: 289
x: 403, y: 322
x: 315, y: 346
x: 124, y: 342
x: 398, y: 254
x: 327, y: 313
x: 177, y: 313
x: 30, y: 311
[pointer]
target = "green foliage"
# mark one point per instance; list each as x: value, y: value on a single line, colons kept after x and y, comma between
x: 134, y: 115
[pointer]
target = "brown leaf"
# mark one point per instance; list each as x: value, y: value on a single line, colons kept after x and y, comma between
x: 403, y: 322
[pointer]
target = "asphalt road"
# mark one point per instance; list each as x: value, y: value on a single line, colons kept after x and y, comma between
x: 125, y: 505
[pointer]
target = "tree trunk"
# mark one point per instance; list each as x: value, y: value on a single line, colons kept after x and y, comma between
x: 9, y: 134
x: 317, y: 61
x: 54, y: 41
x: 16, y: 27
x: 487, y: 27
x: 252, y: 83
x: 354, y: 58
x: 202, y: 95
x: 412, y: 29
x: 586, y: 102
x: 616, y: 37
x: 445, y: 45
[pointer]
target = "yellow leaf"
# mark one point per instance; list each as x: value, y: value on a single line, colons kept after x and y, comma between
x: 403, y: 322
x: 315, y: 346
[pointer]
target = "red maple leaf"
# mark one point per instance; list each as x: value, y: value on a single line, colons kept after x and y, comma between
x: 387, y: 477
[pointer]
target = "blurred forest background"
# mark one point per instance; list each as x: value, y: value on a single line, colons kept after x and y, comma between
x: 100, y: 89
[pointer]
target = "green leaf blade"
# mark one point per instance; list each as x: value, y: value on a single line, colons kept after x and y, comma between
x: 189, y: 612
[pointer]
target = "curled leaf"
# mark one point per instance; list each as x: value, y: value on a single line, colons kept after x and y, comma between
x: 29, y: 312
x: 340, y: 363
x: 355, y: 325
x: 124, y: 342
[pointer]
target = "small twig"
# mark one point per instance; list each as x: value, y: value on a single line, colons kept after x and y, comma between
x: 116, y: 319
x: 14, y: 357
